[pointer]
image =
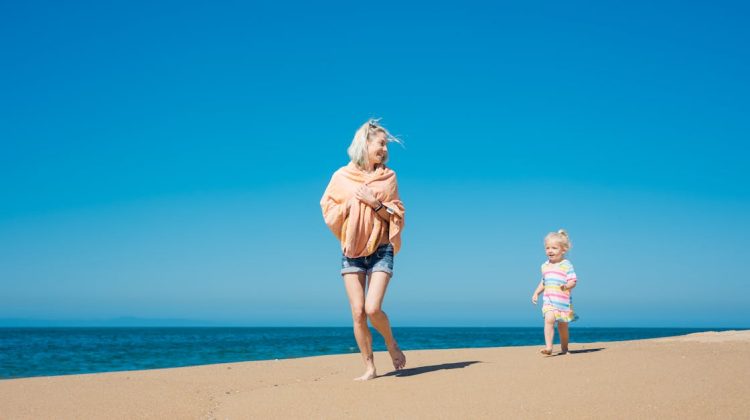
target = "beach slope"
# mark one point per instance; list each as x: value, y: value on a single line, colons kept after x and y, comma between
x: 705, y: 375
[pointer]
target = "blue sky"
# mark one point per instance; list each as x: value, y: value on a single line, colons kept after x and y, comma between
x: 166, y: 159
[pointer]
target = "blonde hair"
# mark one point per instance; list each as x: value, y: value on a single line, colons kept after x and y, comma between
x: 561, y: 237
x: 358, y: 149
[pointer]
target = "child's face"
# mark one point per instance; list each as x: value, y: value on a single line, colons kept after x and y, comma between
x: 554, y: 250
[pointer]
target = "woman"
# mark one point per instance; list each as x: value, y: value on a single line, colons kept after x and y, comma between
x: 362, y: 207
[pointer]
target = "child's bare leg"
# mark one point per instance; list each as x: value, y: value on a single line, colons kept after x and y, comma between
x: 355, y: 290
x: 549, y: 331
x: 373, y: 307
x: 562, y: 328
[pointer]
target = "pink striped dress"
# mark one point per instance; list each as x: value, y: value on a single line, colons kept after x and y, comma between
x: 555, y: 300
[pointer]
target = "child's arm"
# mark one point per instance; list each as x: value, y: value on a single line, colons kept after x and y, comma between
x: 568, y: 286
x: 539, y: 289
x: 570, y: 279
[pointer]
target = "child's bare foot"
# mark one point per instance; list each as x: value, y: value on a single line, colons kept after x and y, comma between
x: 369, y: 374
x: 397, y: 356
x: 546, y: 352
x: 563, y: 352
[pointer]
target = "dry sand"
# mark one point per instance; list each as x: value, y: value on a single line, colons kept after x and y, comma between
x: 705, y: 375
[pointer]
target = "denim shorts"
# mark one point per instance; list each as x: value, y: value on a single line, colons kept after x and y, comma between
x: 380, y: 260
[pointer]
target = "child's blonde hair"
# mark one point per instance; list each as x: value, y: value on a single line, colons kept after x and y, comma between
x: 561, y: 237
x: 358, y: 149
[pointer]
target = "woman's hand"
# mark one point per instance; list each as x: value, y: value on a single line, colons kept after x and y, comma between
x: 365, y: 195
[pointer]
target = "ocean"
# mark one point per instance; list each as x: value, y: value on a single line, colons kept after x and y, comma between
x: 28, y: 352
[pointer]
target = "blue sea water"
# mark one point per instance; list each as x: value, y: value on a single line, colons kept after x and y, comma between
x: 26, y: 352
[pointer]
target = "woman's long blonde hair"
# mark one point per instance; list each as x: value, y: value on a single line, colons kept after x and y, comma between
x: 358, y: 149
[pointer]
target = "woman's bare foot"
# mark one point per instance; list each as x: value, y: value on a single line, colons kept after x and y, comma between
x: 397, y: 356
x: 546, y: 352
x: 369, y: 374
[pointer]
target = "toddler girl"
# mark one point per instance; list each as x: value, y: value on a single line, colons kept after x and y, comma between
x: 558, y: 278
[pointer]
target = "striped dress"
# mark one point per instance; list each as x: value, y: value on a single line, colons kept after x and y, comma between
x: 555, y: 300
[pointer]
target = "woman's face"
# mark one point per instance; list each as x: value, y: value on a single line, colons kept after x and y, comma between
x: 377, y: 148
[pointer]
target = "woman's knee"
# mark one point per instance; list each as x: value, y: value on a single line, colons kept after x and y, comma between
x: 373, y: 310
x: 359, y: 315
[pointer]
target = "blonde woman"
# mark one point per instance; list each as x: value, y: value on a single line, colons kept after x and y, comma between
x: 362, y: 208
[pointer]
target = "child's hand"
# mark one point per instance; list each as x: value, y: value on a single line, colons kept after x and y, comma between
x: 534, y: 298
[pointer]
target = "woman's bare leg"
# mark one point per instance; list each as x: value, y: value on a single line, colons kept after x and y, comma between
x: 373, y: 307
x: 355, y: 290
x: 562, y: 328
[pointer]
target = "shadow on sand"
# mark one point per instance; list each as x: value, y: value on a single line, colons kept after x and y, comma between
x: 579, y: 351
x: 460, y: 365
x: 426, y: 369
x: 586, y: 350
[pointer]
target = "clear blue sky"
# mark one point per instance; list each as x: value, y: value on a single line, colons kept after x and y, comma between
x: 166, y: 159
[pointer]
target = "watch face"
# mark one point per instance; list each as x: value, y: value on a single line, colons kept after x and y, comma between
x: 389, y: 210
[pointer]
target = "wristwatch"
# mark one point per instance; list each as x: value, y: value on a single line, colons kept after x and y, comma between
x: 377, y: 209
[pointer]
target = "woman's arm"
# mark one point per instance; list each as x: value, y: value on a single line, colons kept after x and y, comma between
x: 382, y: 211
x: 365, y: 194
x: 335, y: 207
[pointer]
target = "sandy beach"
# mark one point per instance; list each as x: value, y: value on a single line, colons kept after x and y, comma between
x: 705, y: 375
